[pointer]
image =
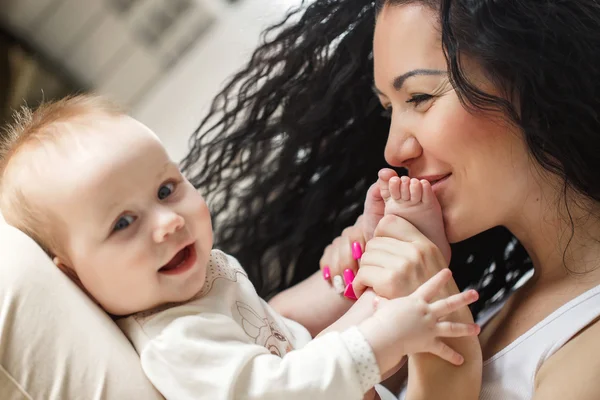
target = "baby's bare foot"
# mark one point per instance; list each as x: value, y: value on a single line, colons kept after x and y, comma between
x: 375, y: 204
x: 415, y: 201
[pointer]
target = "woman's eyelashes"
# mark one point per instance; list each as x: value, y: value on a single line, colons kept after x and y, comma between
x: 418, y: 99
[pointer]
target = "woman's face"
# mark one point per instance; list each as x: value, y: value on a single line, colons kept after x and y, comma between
x: 484, y: 158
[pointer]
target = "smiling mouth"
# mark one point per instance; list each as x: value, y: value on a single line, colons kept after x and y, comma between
x: 439, y: 180
x: 181, y: 262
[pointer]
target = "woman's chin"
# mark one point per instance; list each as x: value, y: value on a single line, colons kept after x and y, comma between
x: 457, y: 228
x: 454, y: 234
x: 452, y: 239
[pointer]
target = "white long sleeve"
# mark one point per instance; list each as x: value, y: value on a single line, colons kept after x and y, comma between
x: 208, y: 357
x: 227, y: 343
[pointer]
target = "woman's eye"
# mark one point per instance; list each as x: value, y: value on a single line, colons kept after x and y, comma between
x: 123, y: 222
x: 166, y: 190
x: 418, y: 99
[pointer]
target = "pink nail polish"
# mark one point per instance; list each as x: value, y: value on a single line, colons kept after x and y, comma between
x: 348, y: 276
x: 349, y: 293
x: 356, y: 251
x: 326, y: 273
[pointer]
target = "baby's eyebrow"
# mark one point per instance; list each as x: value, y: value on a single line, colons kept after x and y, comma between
x: 165, y: 168
x: 108, y: 211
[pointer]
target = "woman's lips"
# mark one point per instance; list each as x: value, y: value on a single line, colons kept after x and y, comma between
x: 437, y: 181
x: 439, y: 185
x: 181, y: 262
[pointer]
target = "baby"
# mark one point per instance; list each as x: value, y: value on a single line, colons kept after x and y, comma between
x: 98, y: 192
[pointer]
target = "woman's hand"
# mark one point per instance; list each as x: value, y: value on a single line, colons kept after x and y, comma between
x: 339, y: 262
x: 397, y: 260
x: 321, y: 306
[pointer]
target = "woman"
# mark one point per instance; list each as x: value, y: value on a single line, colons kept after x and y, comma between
x: 501, y: 98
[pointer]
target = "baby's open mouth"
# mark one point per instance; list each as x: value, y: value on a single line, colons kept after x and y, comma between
x: 181, y: 261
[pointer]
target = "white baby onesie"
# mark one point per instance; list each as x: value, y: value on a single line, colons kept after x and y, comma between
x: 228, y: 343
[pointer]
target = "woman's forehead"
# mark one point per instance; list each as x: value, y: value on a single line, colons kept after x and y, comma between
x: 406, y: 38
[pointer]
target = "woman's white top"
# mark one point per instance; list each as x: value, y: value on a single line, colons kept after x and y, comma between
x: 510, y: 373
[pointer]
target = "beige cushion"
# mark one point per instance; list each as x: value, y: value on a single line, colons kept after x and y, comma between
x: 54, y: 342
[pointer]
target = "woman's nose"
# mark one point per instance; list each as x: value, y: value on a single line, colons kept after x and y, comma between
x: 169, y: 222
x: 402, y: 146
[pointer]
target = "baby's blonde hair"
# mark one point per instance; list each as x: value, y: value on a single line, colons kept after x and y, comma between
x: 29, y: 130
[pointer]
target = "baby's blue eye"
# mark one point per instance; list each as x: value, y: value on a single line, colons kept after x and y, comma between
x: 166, y: 190
x: 123, y: 222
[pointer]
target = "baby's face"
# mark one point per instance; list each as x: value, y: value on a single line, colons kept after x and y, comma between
x: 136, y: 233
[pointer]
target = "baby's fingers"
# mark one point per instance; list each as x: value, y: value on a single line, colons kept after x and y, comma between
x: 430, y: 289
x: 448, y: 305
x: 456, y: 329
x: 447, y: 353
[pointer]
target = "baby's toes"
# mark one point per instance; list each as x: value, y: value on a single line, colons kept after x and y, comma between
x: 395, y: 188
x: 405, y: 188
x: 384, y: 188
x: 416, y: 191
x: 384, y: 175
x: 427, y: 193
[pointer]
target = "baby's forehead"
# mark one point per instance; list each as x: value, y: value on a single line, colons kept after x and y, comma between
x: 64, y: 179
x: 71, y: 163
x: 103, y: 172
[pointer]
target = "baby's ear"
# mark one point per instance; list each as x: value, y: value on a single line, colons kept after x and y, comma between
x: 72, y: 275
x: 67, y: 271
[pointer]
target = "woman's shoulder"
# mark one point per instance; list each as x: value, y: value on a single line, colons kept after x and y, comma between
x: 572, y: 372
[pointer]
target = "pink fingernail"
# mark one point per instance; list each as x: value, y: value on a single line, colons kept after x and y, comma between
x: 356, y: 251
x: 326, y: 273
x: 348, y: 276
x: 349, y: 293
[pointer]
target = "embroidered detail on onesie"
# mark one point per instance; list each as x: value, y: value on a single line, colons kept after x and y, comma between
x: 264, y: 331
x: 219, y: 266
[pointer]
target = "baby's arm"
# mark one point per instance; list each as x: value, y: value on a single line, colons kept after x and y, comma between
x: 209, y: 356
x: 312, y: 303
x: 362, y: 309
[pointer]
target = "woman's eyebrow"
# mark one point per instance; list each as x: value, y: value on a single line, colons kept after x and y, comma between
x: 399, y: 80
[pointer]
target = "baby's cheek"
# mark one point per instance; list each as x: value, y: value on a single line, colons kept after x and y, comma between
x: 202, y: 211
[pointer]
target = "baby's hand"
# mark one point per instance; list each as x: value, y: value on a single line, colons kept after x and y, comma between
x: 412, y: 324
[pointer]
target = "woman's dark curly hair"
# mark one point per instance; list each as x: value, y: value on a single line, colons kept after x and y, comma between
x: 294, y: 140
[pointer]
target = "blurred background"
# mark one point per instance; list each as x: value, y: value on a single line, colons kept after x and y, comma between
x: 162, y: 59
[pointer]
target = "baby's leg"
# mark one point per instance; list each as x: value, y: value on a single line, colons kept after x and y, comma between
x: 362, y: 309
x: 415, y: 201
